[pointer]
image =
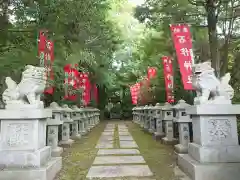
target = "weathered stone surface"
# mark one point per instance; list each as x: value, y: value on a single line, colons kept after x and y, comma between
x: 125, y: 138
x: 119, y: 171
x: 103, y: 146
x: 108, y: 130
x: 118, y: 160
x: 46, y: 172
x: 124, y: 133
x: 123, y: 130
x: 108, y: 133
x: 104, y: 138
x: 128, y: 144
x: 117, y: 151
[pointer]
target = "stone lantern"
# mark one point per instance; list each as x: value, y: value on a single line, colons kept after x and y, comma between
x: 146, y: 120
x: 85, y: 120
x: 76, y: 119
x: 67, y: 120
x: 159, y: 122
x: 82, y: 127
x: 142, y: 116
x: 167, y: 115
x: 52, y: 129
x: 183, y: 119
x: 151, y: 119
x: 134, y: 114
x: 138, y: 114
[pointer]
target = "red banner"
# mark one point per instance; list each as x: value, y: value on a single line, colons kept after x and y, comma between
x: 134, y: 90
x: 49, y: 58
x: 86, y: 85
x: 168, y: 76
x: 46, y: 58
x: 183, y: 44
x: 71, y: 82
x: 152, y: 72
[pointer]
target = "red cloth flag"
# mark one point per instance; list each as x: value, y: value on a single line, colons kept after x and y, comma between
x: 48, y: 62
x: 86, y: 85
x: 152, y: 72
x: 168, y: 76
x: 72, y: 81
x: 183, y: 44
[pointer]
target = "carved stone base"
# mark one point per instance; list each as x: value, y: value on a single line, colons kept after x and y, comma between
x: 67, y: 143
x: 179, y: 148
x: 208, y: 171
x: 167, y: 141
x: 158, y: 136
x: 46, y: 172
x: 151, y: 131
x: 76, y: 137
x: 57, y: 152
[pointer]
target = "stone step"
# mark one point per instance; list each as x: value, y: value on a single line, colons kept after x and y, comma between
x: 118, y: 160
x: 119, y: 171
x: 117, y: 151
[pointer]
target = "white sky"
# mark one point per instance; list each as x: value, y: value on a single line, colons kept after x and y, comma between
x: 136, y: 2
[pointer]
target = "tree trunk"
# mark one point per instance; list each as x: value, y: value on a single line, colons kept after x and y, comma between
x: 212, y: 33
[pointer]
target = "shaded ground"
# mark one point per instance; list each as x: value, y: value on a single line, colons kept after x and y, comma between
x: 78, y: 159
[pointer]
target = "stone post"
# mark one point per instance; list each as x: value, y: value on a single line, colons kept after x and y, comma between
x: 168, y: 118
x: 23, y: 151
x: 134, y: 114
x: 53, y: 124
x: 146, y: 123
x: 183, y: 120
x: 88, y: 116
x: 142, y: 116
x: 151, y: 120
x: 98, y: 116
x: 82, y: 128
x: 159, y: 122
x: 76, y: 119
x: 67, y: 120
x: 91, y: 116
x: 85, y: 120
x: 138, y: 114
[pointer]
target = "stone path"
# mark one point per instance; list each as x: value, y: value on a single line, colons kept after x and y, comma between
x: 123, y: 162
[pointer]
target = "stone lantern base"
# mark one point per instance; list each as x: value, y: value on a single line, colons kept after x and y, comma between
x: 181, y: 149
x: 23, y: 151
x: 215, y: 152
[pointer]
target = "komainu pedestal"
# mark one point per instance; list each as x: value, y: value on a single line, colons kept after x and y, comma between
x: 23, y: 151
x: 215, y: 152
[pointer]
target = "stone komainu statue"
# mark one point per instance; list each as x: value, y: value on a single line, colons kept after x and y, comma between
x: 210, y: 89
x: 27, y: 93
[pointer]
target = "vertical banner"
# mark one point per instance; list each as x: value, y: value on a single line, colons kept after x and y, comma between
x: 86, y: 86
x: 49, y: 58
x: 152, y: 72
x: 41, y: 47
x: 168, y: 76
x: 134, y: 90
x: 183, y: 44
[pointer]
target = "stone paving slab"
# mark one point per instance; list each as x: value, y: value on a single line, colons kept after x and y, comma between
x: 125, y: 138
x: 119, y: 171
x: 106, y: 138
x: 124, y: 133
x: 117, y: 151
x: 118, y: 160
x: 104, y: 145
x: 128, y: 144
x: 109, y: 130
x: 108, y: 133
x: 123, y: 130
